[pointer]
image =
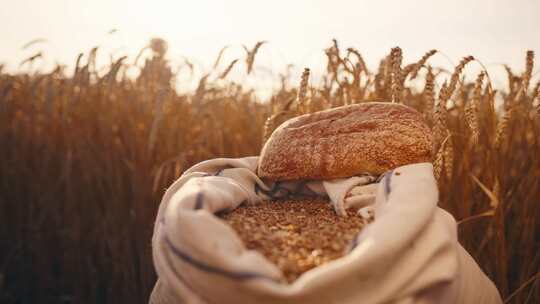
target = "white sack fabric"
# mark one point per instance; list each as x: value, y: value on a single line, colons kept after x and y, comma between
x: 409, y: 253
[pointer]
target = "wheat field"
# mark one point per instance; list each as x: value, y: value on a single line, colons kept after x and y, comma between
x: 86, y: 156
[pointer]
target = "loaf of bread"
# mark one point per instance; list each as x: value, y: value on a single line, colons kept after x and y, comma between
x: 371, y: 137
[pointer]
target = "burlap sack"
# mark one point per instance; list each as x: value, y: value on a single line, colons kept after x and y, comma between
x: 408, y: 254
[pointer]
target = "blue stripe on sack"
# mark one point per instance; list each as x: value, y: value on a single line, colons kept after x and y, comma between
x: 211, y: 269
x: 278, y: 191
x: 270, y: 193
x: 199, y: 201
x: 177, y: 274
x: 387, y: 181
x: 354, y: 243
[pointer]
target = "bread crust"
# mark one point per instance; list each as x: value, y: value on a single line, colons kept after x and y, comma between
x: 371, y: 137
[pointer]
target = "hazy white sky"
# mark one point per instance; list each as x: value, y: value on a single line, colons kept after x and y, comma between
x: 497, y: 31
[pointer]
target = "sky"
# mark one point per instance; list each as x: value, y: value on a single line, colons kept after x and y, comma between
x: 297, y: 31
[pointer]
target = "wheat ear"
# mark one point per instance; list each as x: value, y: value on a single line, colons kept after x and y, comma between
x: 397, y: 85
x: 429, y: 94
x: 439, y: 116
x: 415, y: 68
x: 502, y: 126
x: 302, y: 92
x: 250, y: 59
x: 471, y: 110
x: 455, y: 77
x: 439, y: 161
x: 529, y: 65
x: 228, y: 69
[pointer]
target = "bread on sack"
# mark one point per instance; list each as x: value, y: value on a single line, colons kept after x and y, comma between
x: 370, y: 137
